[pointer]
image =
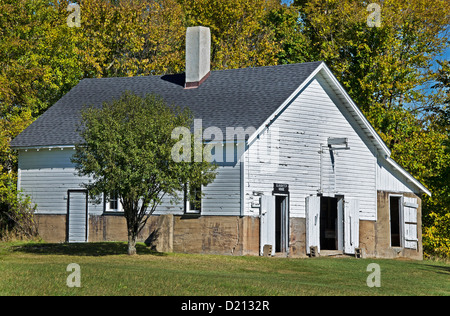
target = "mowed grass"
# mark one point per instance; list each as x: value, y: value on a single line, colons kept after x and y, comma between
x: 40, y: 269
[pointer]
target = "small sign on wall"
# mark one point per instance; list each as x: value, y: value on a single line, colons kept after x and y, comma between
x: 280, y: 188
x: 256, y: 203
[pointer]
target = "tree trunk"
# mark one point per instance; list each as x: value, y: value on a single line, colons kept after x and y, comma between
x: 131, y: 244
x: 130, y: 217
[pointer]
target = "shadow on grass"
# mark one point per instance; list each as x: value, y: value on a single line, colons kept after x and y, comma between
x: 83, y: 249
x: 439, y: 269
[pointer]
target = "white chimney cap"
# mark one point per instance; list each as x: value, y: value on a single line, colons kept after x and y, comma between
x: 198, y: 55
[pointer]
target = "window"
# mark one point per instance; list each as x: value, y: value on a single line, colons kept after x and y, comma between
x: 113, y: 203
x: 395, y: 213
x: 193, y: 198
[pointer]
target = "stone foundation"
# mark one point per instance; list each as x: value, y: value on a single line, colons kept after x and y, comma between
x: 51, y: 228
x: 297, y: 242
x: 367, y: 238
x: 229, y: 235
x: 374, y: 236
x: 382, y: 247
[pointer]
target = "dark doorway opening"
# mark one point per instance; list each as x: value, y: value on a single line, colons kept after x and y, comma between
x: 394, y: 207
x: 328, y: 223
x: 280, y: 223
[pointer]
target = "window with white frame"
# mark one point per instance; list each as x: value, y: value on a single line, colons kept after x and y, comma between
x: 112, y: 204
x: 193, y: 199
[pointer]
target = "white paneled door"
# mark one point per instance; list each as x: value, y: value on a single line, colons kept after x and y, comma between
x: 351, y: 225
x: 267, y: 223
x: 312, y: 222
x: 77, y: 216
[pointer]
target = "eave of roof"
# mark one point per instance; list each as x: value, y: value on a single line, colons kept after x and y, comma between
x: 408, y: 176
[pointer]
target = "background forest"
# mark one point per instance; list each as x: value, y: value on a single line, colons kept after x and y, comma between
x: 396, y: 73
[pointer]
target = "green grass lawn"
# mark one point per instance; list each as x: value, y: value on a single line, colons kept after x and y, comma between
x: 40, y: 269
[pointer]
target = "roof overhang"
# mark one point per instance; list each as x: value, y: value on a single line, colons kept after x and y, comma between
x: 49, y: 147
x: 407, y: 175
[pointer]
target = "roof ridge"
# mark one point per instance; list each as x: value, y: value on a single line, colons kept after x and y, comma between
x: 239, y: 97
x: 212, y: 70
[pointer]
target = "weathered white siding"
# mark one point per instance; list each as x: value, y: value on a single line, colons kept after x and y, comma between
x: 391, y: 180
x: 171, y: 206
x: 223, y: 196
x: 292, y: 155
x: 46, y: 176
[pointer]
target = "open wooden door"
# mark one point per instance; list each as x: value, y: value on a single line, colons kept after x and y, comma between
x: 409, y: 220
x: 351, y: 225
x: 312, y: 223
x: 267, y: 223
x: 340, y: 224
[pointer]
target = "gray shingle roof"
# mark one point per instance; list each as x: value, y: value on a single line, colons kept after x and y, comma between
x: 228, y: 98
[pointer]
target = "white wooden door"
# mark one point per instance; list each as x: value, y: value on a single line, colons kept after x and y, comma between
x: 351, y: 225
x: 409, y: 220
x: 77, y: 216
x: 340, y: 223
x: 267, y: 223
x: 312, y: 222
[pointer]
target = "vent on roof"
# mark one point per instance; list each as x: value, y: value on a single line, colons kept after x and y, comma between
x: 198, y: 52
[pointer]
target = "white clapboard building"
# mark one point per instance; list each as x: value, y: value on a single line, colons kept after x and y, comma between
x: 309, y: 176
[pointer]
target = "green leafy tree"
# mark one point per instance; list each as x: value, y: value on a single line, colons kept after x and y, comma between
x: 437, y: 220
x: 379, y: 66
x: 38, y: 65
x: 42, y: 58
x: 130, y: 37
x: 288, y: 29
x: 240, y: 35
x: 127, y: 151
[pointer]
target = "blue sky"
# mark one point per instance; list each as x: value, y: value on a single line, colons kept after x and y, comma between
x: 445, y: 55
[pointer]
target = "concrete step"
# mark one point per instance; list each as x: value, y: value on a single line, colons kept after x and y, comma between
x: 331, y: 253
